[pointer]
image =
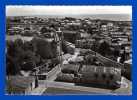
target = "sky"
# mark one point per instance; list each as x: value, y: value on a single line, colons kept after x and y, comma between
x: 66, y: 10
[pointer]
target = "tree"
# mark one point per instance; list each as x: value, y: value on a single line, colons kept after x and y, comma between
x: 95, y: 46
x: 45, y: 29
x: 64, y: 47
x: 46, y: 49
x: 116, y: 53
x: 13, y: 59
x: 104, y: 48
x: 12, y: 67
x: 20, y: 56
x: 28, y: 59
x: 90, y: 30
x: 123, y: 58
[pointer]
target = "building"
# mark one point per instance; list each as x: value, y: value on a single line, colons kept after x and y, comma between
x: 101, y: 75
x: 104, y: 27
x: 118, y: 35
x: 83, y: 35
x: 20, y: 84
x: 84, y: 43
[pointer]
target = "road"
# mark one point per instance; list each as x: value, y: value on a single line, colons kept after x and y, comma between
x: 125, y: 88
x: 72, y: 86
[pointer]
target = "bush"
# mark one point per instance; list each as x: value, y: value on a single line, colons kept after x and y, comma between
x: 70, y: 68
x: 65, y: 77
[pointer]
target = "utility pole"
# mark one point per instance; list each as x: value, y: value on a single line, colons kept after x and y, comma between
x: 36, y: 77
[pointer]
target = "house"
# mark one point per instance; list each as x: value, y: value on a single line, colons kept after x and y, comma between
x: 21, y: 84
x: 88, y: 43
x: 104, y: 27
x: 83, y: 35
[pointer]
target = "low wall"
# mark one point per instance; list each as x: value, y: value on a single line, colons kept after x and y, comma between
x: 107, y: 61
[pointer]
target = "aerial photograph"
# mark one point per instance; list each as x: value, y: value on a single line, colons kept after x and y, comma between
x: 68, y: 50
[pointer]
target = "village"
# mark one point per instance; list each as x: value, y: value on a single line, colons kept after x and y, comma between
x: 68, y: 56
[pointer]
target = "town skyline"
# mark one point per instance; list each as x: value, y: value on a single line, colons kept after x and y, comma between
x: 123, y: 13
x: 113, y: 17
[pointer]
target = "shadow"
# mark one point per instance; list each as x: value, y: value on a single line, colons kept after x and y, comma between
x: 97, y: 86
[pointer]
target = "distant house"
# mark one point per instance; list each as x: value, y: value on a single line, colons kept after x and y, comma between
x: 84, y: 35
x: 104, y: 27
x: 20, y: 84
x: 14, y: 30
x: 118, y: 35
x: 88, y: 43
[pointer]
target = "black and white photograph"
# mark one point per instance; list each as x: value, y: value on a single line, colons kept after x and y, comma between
x: 68, y: 50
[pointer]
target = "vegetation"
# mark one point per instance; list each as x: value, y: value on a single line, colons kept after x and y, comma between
x: 104, y: 48
x: 65, y: 77
x: 70, y: 69
x: 27, y: 55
